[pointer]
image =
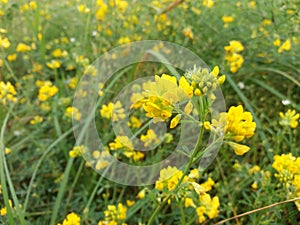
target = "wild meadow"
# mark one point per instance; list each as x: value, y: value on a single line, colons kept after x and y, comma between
x: 166, y: 112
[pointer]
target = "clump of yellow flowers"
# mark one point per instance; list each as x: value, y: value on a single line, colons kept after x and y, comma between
x: 71, y: 219
x: 289, y: 118
x: 114, y: 215
x: 288, y: 168
x: 7, y: 93
x: 190, y: 193
x: 47, y: 90
x: 236, y: 125
x: 233, y: 55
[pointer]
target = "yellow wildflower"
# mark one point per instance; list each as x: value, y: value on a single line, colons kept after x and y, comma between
x: 208, y: 3
x: 47, y: 91
x: 77, y: 151
x: 36, y: 120
x: 71, y: 219
x: 168, y: 178
x: 290, y: 118
x: 4, y: 42
x: 286, y: 46
x: 73, y: 112
x: 150, y: 138
x: 187, y: 32
x: 21, y: 47
x: 226, y: 20
x: 53, y: 64
x: 7, y: 93
x: 114, y: 111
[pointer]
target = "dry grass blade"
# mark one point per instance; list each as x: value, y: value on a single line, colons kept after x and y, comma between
x: 171, y: 6
x: 256, y: 210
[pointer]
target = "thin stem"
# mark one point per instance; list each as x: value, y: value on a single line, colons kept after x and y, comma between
x: 257, y: 210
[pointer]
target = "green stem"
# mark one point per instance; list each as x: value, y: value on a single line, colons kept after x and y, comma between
x: 61, y: 191
x: 195, y: 152
x: 2, y: 174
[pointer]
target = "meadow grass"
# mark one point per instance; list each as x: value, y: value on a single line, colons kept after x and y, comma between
x: 48, y: 176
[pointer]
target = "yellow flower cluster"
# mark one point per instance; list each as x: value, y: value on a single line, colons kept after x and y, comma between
x: 101, y: 10
x: 114, y: 215
x: 226, y: 20
x: 204, y: 82
x: 150, y: 138
x: 290, y: 118
x: 120, y: 4
x: 47, y: 90
x: 77, y: 151
x: 124, y: 144
x: 53, y: 64
x: 114, y: 111
x: 4, y: 42
x: 235, y: 59
x: 208, y: 3
x: 101, y: 159
x: 160, y: 96
x: 36, y: 120
x: 3, y: 211
x: 21, y: 47
x: 236, y: 125
x: 288, y: 168
x: 71, y: 219
x: 7, y: 93
x: 286, y: 46
x: 73, y: 112
x: 203, y: 203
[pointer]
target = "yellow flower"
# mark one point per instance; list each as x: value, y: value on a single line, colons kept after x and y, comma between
x: 286, y: 46
x: 83, y: 9
x: 7, y: 151
x: 187, y: 32
x: 267, y: 22
x: 72, y: 219
x: 53, y: 64
x: 208, y: 3
x: 7, y: 93
x: 168, y: 178
x: 12, y: 57
x: 254, y: 185
x: 58, y: 53
x: 47, y: 91
x: 175, y: 121
x: 36, y: 120
x: 73, y: 82
x: 238, y: 148
x: 114, y: 213
x: 32, y: 5
x: 124, y: 40
x: 159, y: 96
x: 209, y: 206
x: 21, y: 47
x: 150, y: 138
x: 276, y: 42
x: 290, y: 118
x: 234, y: 47
x: 236, y: 125
x: 73, y: 112
x: 134, y: 122
x: 77, y: 151
x: 114, y: 111
x: 120, y: 4
x: 4, y: 42
x: 188, y: 202
x: 226, y: 20
x: 129, y: 203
